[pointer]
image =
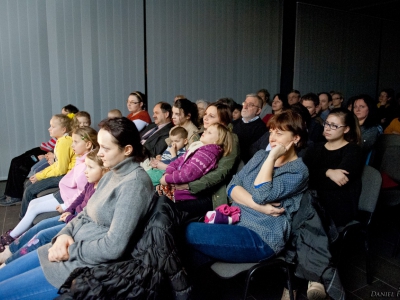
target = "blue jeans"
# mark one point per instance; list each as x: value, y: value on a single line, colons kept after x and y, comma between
x: 32, y: 190
x: 24, y: 279
x: 39, y: 166
x: 230, y: 243
x: 40, y: 234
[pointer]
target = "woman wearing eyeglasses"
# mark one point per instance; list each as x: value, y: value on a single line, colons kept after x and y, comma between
x: 136, y: 104
x: 335, y: 166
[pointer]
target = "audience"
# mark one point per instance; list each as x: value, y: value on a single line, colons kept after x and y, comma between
x: 279, y: 104
x: 237, y: 112
x: 337, y: 100
x: 250, y: 128
x: 325, y: 101
x: 315, y: 125
x: 387, y: 107
x: 266, y: 107
x: 114, y: 113
x: 201, y: 108
x: 293, y: 97
x: 136, y: 104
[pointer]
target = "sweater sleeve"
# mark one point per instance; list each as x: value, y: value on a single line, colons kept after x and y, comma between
x: 65, y: 158
x: 224, y: 169
x: 78, y: 200
x: 48, y: 146
x: 197, y: 165
x: 130, y: 210
x: 173, y: 166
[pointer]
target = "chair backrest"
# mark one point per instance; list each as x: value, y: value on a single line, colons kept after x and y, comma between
x: 371, y: 185
x: 390, y: 163
x: 385, y: 142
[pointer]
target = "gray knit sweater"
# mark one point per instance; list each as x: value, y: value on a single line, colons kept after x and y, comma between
x: 102, y: 230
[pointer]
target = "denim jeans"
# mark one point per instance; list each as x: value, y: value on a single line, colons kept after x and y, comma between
x: 24, y: 279
x: 39, y: 166
x: 40, y: 234
x: 230, y: 243
x: 33, y: 189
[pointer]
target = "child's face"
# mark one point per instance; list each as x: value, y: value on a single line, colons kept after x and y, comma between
x: 334, y: 134
x: 209, y: 136
x: 55, y: 129
x: 93, y: 171
x: 80, y: 146
x: 178, y: 141
x: 83, y: 122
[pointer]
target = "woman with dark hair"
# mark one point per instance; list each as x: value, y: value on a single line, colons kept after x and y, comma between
x: 185, y: 114
x: 364, y: 108
x: 279, y: 104
x: 335, y: 166
x: 387, y: 107
x: 268, y: 191
x: 105, y: 230
x: 136, y: 104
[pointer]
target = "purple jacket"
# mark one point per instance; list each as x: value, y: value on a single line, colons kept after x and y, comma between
x: 192, y: 166
x: 80, y: 202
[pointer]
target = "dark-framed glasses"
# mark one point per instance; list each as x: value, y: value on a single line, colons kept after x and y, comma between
x: 332, y: 126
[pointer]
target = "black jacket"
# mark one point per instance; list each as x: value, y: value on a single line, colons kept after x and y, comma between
x: 312, y: 233
x: 156, y: 143
x: 154, y: 272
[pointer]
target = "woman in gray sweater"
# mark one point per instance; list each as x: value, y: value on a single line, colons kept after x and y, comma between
x: 103, y: 232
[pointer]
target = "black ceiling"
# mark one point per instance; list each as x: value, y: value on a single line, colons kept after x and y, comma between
x: 384, y: 9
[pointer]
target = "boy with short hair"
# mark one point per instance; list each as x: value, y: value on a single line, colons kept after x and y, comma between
x: 315, y: 128
x: 179, y: 140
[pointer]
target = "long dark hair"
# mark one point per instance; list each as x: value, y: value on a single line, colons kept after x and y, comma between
x: 188, y: 108
x: 349, y: 119
x: 125, y: 133
x: 283, y: 98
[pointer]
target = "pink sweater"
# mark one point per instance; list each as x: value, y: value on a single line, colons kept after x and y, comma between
x: 73, y: 183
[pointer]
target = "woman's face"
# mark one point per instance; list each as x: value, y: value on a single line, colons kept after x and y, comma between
x: 334, y: 134
x: 383, y: 98
x: 283, y: 137
x: 109, y: 151
x: 277, y: 104
x: 210, y: 116
x: 133, y: 104
x: 236, y: 114
x: 178, y: 116
x: 361, y: 110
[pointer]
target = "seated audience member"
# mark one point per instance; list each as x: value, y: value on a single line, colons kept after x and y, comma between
x: 136, y: 104
x: 293, y: 97
x: 268, y: 191
x: 325, y: 101
x: 365, y: 110
x: 60, y: 128
x: 43, y: 232
x: 71, y: 186
x: 114, y: 113
x: 101, y: 234
x: 250, y: 128
x: 178, y: 137
x: 350, y: 102
x: 394, y: 126
x: 82, y: 119
x: 337, y: 100
x: 177, y: 97
x: 184, y: 113
x: 228, y: 101
x: 314, y: 126
x: 335, y: 166
x: 21, y: 165
x: 200, y: 158
x: 237, y: 113
x: 279, y: 104
x: 211, y: 188
x: 266, y: 108
x: 154, y: 136
x: 387, y: 107
x: 201, y: 108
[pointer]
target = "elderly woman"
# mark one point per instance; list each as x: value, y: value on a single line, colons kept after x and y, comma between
x: 101, y: 234
x: 268, y: 191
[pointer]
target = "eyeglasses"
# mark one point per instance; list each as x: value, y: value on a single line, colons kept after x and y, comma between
x: 249, y: 105
x: 332, y: 126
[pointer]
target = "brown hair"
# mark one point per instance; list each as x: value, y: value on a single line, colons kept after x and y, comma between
x: 92, y: 155
x: 293, y: 122
x: 180, y: 131
x: 225, y: 140
x: 224, y: 112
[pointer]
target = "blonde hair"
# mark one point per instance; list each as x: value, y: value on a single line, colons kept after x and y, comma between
x: 65, y: 121
x: 225, y: 140
x: 88, y: 134
x: 92, y: 155
x: 116, y: 113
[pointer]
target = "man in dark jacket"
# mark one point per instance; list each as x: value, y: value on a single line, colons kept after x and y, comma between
x: 154, y: 135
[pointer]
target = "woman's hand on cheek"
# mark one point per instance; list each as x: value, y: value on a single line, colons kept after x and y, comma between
x: 280, y: 150
x: 59, y: 251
